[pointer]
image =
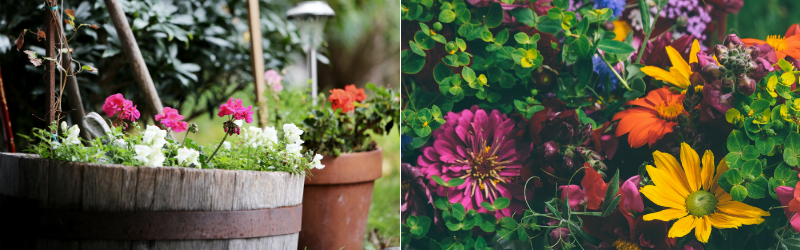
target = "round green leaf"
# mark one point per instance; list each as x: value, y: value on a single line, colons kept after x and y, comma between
x: 425, y: 41
x: 494, y: 17
x: 757, y: 189
x: 738, y: 192
x: 447, y: 16
x: 410, y: 62
x: 750, y: 153
x: 501, y: 203
x: 764, y: 145
x: 737, y: 140
x: 751, y: 170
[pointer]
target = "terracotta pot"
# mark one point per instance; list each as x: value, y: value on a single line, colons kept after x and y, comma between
x: 336, y: 201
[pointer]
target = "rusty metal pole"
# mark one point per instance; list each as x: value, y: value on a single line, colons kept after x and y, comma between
x: 50, y: 72
x: 257, y: 59
x: 8, y: 134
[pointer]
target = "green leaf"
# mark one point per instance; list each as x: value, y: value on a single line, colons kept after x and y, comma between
x: 494, y: 17
x: 751, y: 169
x: 417, y: 49
x: 502, y: 37
x: 501, y: 203
x: 553, y: 209
x: 441, y: 72
x: 494, y: 97
x: 410, y: 62
x: 548, y: 25
x: 480, y: 243
x: 614, y: 46
x: 524, y: 15
x: 730, y: 178
x: 455, y: 182
x: 462, y: 13
x: 447, y: 16
x: 521, y: 38
x: 644, y: 9
x: 784, y: 172
x: 737, y: 140
x: 468, y: 74
x: 489, y: 222
x: 738, y: 192
x: 639, y: 85
x: 438, y: 180
x: 757, y: 189
x: 439, y: 38
x: 487, y: 206
x: 582, y: 47
x: 764, y: 145
x: 461, y: 44
x: 441, y: 203
x: 612, y: 205
x: 750, y: 153
x: 425, y: 28
x: 458, y: 211
x: 424, y: 41
x: 561, y: 4
x: 734, y: 160
x: 791, y: 150
x: 613, y: 189
x: 493, y: 47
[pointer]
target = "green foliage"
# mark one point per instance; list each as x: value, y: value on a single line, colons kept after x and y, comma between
x: 333, y: 132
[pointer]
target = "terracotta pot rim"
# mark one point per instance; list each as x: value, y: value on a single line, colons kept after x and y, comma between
x: 348, y: 168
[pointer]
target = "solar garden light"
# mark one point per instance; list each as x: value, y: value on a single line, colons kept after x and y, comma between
x: 310, y: 18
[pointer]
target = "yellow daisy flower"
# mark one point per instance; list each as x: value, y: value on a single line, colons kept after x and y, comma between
x: 693, y: 196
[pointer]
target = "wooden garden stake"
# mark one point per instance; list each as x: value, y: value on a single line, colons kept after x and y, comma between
x: 50, y: 74
x: 134, y: 55
x: 257, y: 59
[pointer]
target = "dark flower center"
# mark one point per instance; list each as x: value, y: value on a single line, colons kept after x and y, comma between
x: 484, y: 169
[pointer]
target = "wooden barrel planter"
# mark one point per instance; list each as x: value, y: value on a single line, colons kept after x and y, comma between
x: 47, y: 204
x: 336, y: 201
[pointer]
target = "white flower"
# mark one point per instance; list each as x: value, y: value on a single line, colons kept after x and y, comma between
x: 238, y: 122
x: 315, y: 163
x: 189, y: 156
x: 271, y: 134
x: 71, y: 133
x: 294, y: 149
x: 154, y: 137
x: 253, y: 136
x: 226, y: 145
x: 148, y: 156
x: 120, y: 143
x: 292, y: 134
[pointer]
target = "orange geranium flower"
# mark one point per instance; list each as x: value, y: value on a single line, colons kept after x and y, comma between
x: 788, y: 45
x: 357, y: 93
x: 340, y: 99
x: 651, y: 119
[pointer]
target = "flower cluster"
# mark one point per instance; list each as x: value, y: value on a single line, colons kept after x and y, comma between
x: 597, y: 125
x: 346, y: 98
x: 172, y: 120
x: 122, y: 108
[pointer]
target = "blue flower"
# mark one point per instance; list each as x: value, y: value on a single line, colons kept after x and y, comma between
x: 601, y: 69
x: 616, y: 6
x: 404, y: 141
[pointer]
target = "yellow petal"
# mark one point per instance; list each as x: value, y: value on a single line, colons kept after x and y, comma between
x: 721, y: 195
x: 665, y: 182
x: 722, y: 221
x: 682, y: 227
x: 739, y: 209
x: 663, y: 197
x: 721, y: 168
x: 678, y: 63
x: 707, y: 173
x: 691, y: 164
x: 666, y: 214
x: 668, y: 164
x: 660, y: 74
x: 702, y: 229
x: 681, y: 81
x: 743, y: 220
x: 693, y: 51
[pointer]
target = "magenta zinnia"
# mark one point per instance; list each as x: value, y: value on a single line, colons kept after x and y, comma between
x: 482, y: 149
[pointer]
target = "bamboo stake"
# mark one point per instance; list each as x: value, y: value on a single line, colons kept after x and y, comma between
x: 50, y: 72
x: 8, y: 134
x: 257, y: 59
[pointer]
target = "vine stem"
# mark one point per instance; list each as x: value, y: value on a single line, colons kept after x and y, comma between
x: 647, y: 37
x: 624, y: 83
x: 183, y: 143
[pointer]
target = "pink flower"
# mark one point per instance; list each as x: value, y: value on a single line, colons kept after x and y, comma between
x: 790, y: 198
x: 116, y: 103
x: 171, y: 119
x: 593, y: 192
x: 274, y: 80
x: 234, y: 107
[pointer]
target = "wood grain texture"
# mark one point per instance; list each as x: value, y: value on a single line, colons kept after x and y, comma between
x: 96, y: 187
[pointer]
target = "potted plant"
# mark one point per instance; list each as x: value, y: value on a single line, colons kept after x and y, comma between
x: 337, y: 198
x: 142, y: 187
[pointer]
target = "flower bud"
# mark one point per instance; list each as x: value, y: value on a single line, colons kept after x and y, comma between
x: 732, y: 40
x: 193, y: 128
x: 745, y: 85
x: 586, y: 131
x: 722, y: 52
x: 566, y: 133
x: 551, y: 150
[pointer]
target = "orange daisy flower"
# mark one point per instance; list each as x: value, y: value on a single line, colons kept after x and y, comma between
x: 651, y: 119
x: 788, y: 45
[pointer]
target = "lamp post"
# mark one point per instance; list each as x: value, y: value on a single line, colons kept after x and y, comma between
x: 310, y: 18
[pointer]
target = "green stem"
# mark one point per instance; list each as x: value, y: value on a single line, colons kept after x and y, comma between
x: 624, y: 83
x: 647, y: 37
x: 183, y: 143
x: 218, y: 146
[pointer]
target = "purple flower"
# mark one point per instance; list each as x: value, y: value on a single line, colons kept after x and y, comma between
x: 718, y: 97
x: 616, y: 6
x: 691, y: 16
x: 482, y: 149
x: 414, y: 191
x: 405, y: 140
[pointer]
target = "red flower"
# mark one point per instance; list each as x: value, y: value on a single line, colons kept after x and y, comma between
x: 341, y: 99
x: 117, y: 104
x: 234, y: 107
x: 358, y: 94
x: 171, y: 119
x: 595, y: 188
